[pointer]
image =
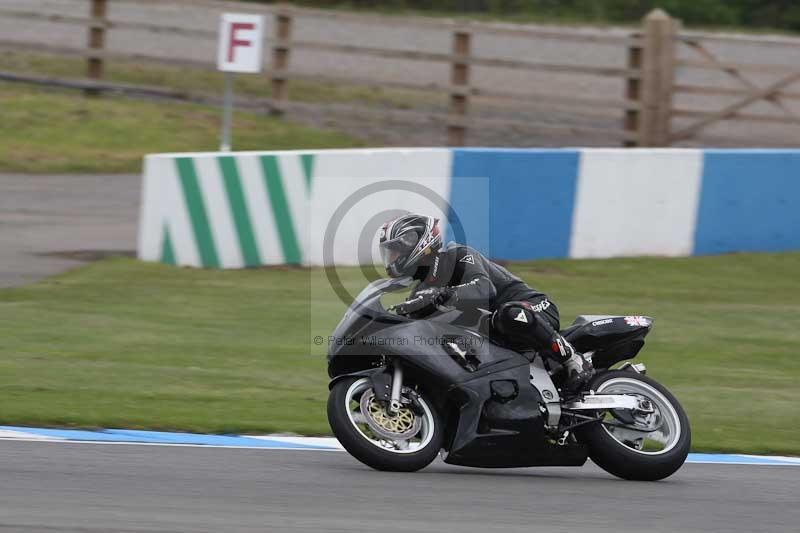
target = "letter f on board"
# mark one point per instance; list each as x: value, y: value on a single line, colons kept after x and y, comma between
x: 234, y: 42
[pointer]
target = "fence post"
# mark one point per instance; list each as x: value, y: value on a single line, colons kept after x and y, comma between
x: 459, y: 79
x: 656, y: 61
x: 280, y: 59
x: 633, y: 93
x: 97, y: 40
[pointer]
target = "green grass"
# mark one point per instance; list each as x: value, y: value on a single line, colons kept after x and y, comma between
x: 120, y: 343
x: 53, y: 131
x: 207, y: 82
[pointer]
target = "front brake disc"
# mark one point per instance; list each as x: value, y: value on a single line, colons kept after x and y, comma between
x: 401, y: 425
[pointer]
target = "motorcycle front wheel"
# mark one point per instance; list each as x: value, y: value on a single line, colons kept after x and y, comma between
x: 404, y: 441
x: 642, y: 446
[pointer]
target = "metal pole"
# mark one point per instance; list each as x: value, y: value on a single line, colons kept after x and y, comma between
x: 227, y: 114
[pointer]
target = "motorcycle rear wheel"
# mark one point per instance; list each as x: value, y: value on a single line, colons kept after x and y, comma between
x: 650, y: 457
x: 350, y: 426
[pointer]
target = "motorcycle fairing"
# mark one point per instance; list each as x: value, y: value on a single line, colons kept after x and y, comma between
x: 488, y: 431
x: 505, y: 432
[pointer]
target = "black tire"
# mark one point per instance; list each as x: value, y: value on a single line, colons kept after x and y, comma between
x: 620, y: 460
x: 366, y: 452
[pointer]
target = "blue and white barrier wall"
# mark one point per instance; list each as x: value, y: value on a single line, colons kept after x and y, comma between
x: 256, y: 208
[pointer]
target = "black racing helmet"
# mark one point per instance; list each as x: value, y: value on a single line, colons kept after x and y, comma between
x: 406, y: 240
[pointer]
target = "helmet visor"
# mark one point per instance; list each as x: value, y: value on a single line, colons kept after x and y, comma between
x: 397, y: 250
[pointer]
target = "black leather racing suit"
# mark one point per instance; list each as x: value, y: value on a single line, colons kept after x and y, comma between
x: 477, y: 282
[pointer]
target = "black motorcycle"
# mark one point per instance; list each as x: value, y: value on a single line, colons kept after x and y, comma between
x: 404, y: 389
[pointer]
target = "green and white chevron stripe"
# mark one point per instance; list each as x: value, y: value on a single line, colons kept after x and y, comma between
x: 248, y: 209
x: 221, y: 211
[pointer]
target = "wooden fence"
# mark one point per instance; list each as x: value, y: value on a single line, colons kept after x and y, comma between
x: 739, y: 85
x: 649, y: 71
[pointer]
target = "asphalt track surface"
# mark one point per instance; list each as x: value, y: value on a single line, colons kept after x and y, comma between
x: 52, y: 487
x: 52, y: 223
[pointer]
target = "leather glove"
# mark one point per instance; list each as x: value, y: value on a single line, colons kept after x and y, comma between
x: 435, y: 295
x: 423, y: 299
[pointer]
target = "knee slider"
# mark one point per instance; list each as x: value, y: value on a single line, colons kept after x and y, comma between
x: 514, y: 322
x: 520, y: 326
x: 512, y: 315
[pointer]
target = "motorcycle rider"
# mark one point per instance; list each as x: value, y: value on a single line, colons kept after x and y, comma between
x: 459, y: 276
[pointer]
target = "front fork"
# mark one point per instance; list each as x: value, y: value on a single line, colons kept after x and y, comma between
x: 397, y: 386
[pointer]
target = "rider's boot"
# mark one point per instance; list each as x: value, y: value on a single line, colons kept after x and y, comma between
x: 577, y: 368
